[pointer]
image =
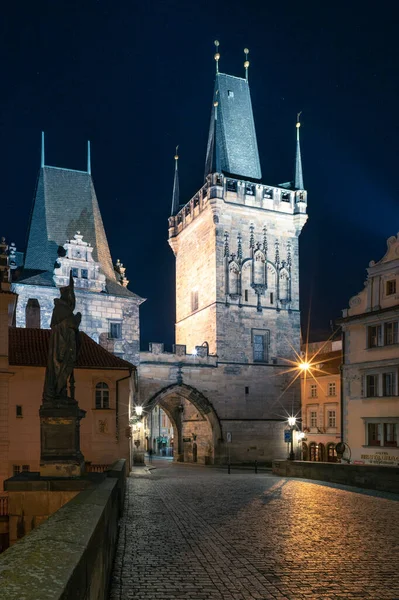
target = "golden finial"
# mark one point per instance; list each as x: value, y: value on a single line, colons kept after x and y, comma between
x: 217, y: 55
x: 176, y: 155
x: 246, y: 63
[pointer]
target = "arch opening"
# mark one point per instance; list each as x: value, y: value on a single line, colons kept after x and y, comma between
x: 196, y: 429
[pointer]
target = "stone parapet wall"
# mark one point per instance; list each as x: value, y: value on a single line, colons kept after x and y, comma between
x: 71, y: 554
x: 385, y: 479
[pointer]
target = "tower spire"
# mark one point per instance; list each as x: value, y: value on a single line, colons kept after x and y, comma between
x: 42, y: 151
x: 88, y: 158
x: 176, y: 191
x: 298, y: 182
x: 217, y: 55
x: 246, y: 63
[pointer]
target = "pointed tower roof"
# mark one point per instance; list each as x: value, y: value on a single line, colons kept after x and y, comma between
x: 298, y: 181
x: 65, y: 202
x: 176, y: 190
x: 232, y: 146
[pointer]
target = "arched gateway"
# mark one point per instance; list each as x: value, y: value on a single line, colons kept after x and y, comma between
x: 197, y: 431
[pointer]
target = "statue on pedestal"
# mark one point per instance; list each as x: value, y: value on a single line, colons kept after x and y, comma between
x: 63, y: 349
x: 60, y: 415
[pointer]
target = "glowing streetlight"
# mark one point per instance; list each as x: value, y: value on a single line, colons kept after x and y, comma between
x: 304, y: 366
x: 291, y: 423
x: 138, y: 410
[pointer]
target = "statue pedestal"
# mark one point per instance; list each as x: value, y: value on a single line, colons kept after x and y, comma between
x: 60, y: 454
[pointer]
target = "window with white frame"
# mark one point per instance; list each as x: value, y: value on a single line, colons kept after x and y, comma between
x: 390, y: 287
x: 371, y: 386
x: 332, y: 388
x: 313, y: 418
x: 331, y: 418
x: 388, y: 383
x: 313, y: 390
x: 391, y: 333
x: 382, y: 433
x: 102, y: 395
x: 374, y: 337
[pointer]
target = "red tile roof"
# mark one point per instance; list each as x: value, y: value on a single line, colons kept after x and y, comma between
x: 30, y: 347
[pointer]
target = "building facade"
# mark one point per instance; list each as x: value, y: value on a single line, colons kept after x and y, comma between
x: 371, y: 364
x: 224, y: 388
x: 66, y: 233
x: 321, y: 401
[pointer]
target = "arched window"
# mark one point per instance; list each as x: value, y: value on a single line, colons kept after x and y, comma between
x: 314, y: 451
x: 284, y: 291
x: 305, y: 451
x: 102, y: 395
x: 32, y: 313
x: 322, y: 452
x: 331, y: 453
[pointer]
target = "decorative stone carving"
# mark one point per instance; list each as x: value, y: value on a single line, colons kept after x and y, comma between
x: 76, y: 256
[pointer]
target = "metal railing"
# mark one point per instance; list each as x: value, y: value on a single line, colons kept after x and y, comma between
x: 96, y: 468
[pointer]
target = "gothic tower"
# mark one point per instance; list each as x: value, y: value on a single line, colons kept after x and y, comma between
x: 236, y: 245
x: 66, y: 234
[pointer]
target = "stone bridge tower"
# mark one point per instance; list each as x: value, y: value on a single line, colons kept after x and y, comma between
x: 237, y: 279
x: 236, y: 244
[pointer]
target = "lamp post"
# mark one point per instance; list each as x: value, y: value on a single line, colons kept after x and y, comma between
x: 291, y: 423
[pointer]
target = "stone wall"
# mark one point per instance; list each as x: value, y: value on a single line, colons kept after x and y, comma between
x: 71, y: 554
x: 384, y: 479
x: 245, y: 398
x: 97, y: 309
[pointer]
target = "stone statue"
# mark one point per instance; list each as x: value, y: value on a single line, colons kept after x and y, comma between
x: 63, y: 348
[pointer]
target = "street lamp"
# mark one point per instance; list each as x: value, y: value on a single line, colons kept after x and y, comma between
x: 291, y: 423
x: 138, y: 410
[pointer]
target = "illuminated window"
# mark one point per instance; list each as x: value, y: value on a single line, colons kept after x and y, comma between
x: 390, y: 434
x: 332, y: 391
x: 374, y: 434
x: 371, y: 386
x: 391, y: 333
x: 391, y: 287
x: 102, y: 395
x: 313, y: 418
x: 18, y: 410
x: 313, y: 390
x: 331, y: 418
x: 194, y: 300
x: 230, y: 94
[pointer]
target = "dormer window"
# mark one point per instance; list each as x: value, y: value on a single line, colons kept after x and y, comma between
x: 391, y: 287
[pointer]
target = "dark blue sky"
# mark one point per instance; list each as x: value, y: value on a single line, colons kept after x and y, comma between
x: 137, y: 79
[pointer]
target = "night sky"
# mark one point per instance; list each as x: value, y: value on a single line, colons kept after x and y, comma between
x: 136, y: 78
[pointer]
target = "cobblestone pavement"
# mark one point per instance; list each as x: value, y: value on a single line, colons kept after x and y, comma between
x: 197, y: 533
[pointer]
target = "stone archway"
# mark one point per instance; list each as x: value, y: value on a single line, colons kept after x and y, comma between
x: 197, y: 430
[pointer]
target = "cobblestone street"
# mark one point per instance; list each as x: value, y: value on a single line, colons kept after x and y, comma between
x: 198, y: 533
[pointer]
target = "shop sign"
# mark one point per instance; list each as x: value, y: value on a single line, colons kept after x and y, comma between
x: 380, y: 458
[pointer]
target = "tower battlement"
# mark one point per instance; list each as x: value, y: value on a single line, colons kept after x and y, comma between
x: 241, y: 192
